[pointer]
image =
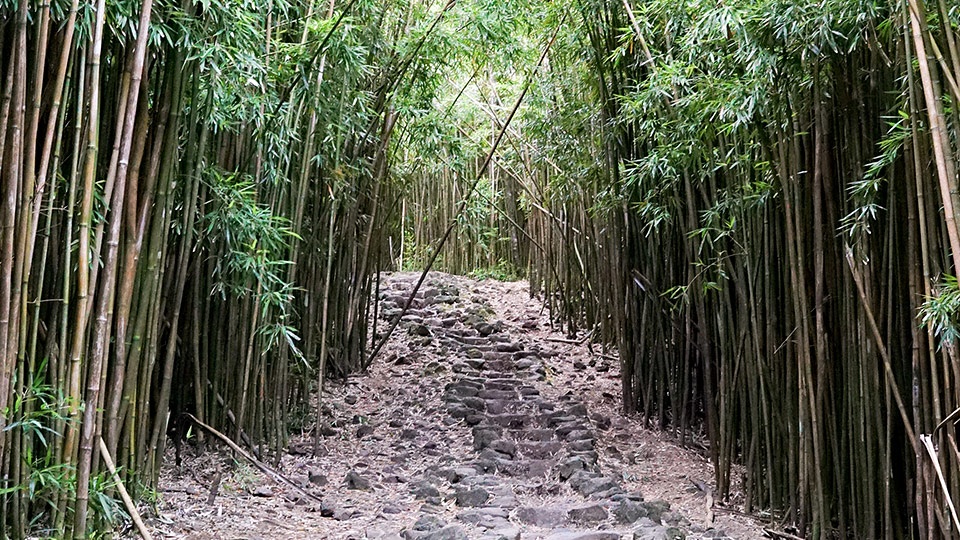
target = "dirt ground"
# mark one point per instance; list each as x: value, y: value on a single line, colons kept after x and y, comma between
x: 389, y: 433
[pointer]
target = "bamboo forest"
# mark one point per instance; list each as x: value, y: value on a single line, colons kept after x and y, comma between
x: 749, y: 209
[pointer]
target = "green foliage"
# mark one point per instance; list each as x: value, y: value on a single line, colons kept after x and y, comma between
x: 502, y: 271
x: 38, y: 407
x: 865, y: 193
x: 941, y: 311
x: 255, y: 241
x: 108, y: 509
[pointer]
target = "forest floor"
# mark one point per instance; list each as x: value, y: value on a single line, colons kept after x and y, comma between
x: 478, y: 421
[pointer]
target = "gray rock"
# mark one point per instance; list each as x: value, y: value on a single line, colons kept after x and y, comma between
x: 602, y: 421
x: 425, y: 490
x: 629, y: 511
x: 656, y: 509
x: 496, y: 406
x: 591, y: 513
x: 580, y: 476
x: 485, y: 329
x: 429, y: 522
x: 568, y: 427
x: 316, y: 477
x: 504, y: 446
x: 506, y: 533
x: 504, y: 501
x: 472, y: 497
x: 456, y: 474
x: 575, y: 435
x: 459, y: 411
x: 484, y: 435
x: 391, y: 509
x: 512, y: 421
x: 450, y: 532
x: 509, y: 347
x: 503, y: 384
x: 485, y: 465
x: 674, y: 519
x: 498, y: 394
x: 409, y: 434
x: 577, y: 410
x: 475, y: 363
x: 596, y: 485
x: 589, y: 457
x: 474, y: 403
x: 607, y: 494
x: 540, y: 449
x: 582, y: 446
x: 659, y: 533
x: 263, y: 491
x: 419, y: 329
x: 541, y: 516
x: 523, y: 363
x: 570, y: 466
x: 532, y: 468
x: 355, y: 481
x: 583, y: 535
x: 478, y: 515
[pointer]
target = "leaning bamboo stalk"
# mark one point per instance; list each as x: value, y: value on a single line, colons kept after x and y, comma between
x: 127, y: 500
x: 884, y: 354
x: 931, y: 451
x: 463, y: 203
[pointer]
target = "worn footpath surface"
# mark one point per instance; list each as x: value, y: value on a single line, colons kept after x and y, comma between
x: 477, y: 422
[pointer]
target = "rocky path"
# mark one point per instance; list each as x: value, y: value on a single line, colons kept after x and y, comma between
x: 476, y: 424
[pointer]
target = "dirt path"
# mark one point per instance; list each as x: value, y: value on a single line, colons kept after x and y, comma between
x: 478, y: 421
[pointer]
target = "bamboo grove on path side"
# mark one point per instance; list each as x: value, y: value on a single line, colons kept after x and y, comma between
x: 755, y: 204
x: 771, y: 244
x: 194, y: 202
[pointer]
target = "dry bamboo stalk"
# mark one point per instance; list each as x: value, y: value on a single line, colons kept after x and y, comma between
x: 931, y: 451
x: 127, y: 501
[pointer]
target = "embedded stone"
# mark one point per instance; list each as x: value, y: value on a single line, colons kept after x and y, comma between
x: 582, y: 446
x: 512, y: 421
x: 498, y: 394
x: 484, y: 435
x: 583, y: 535
x: 538, y: 435
x: 540, y: 449
x: 355, y: 481
x: 629, y: 511
x: 575, y: 435
x: 425, y: 490
x: 504, y: 446
x: 577, y: 410
x: 591, y: 513
x: 474, y: 403
x: 656, y: 509
x: 596, y: 485
x: 472, y: 497
x: 541, y: 516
